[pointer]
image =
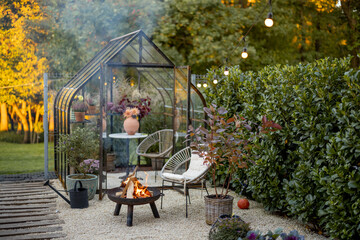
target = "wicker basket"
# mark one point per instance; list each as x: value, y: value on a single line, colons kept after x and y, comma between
x: 214, y: 207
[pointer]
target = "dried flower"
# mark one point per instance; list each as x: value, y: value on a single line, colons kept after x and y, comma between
x: 79, y: 106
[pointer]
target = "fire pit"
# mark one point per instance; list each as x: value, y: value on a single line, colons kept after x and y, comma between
x: 133, y: 193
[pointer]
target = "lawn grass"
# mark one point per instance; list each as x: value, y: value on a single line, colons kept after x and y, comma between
x: 24, y: 158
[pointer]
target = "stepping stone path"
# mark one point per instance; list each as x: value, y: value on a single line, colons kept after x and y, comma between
x: 28, y: 211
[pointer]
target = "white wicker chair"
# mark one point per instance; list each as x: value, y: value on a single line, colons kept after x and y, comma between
x: 165, y: 140
x: 175, y: 171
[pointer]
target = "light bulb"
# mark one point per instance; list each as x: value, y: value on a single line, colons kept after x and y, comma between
x: 105, y: 83
x: 114, y: 78
x: 198, y: 85
x: 269, y: 21
x: 132, y: 84
x: 205, y: 85
x: 226, y: 71
x: 215, y: 81
x: 244, y: 53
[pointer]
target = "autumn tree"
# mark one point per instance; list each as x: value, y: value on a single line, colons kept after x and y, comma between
x: 20, y: 68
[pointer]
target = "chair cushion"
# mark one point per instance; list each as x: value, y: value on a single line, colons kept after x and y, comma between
x: 197, y: 163
x: 175, y: 177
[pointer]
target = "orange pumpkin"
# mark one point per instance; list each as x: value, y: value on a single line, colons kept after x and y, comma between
x: 243, y: 203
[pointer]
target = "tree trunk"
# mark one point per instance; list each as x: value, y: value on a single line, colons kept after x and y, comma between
x: 31, y: 126
x: 348, y: 6
x: 4, y: 122
x: 36, y: 128
x: 23, y: 121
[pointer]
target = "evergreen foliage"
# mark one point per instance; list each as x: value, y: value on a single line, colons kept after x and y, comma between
x: 309, y: 169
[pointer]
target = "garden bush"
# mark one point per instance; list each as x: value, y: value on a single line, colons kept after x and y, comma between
x: 309, y: 169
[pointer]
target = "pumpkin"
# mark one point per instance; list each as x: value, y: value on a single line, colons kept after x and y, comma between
x: 243, y: 203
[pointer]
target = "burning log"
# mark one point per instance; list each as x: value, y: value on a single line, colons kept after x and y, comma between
x: 132, y: 188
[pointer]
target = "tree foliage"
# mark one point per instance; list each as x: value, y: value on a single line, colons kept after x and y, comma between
x: 203, y: 34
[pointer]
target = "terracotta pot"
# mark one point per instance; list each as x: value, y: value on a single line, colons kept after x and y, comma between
x: 79, y: 116
x: 91, y: 109
x: 131, y: 125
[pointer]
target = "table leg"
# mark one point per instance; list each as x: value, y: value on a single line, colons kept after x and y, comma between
x: 127, y: 156
x: 117, y: 209
x: 130, y: 215
x: 154, y: 210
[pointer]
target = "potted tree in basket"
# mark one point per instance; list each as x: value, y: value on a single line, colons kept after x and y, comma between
x: 228, y: 142
x: 79, y: 108
x: 81, y: 148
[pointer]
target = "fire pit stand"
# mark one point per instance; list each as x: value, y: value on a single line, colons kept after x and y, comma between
x: 131, y: 202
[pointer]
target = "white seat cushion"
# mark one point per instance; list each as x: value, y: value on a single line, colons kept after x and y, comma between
x: 175, y: 177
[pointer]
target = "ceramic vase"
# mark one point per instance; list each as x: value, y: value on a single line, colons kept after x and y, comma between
x: 131, y: 125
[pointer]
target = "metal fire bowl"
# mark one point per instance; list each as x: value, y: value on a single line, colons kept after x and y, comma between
x: 135, y: 201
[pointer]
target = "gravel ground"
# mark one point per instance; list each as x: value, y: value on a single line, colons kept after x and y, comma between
x: 98, y: 221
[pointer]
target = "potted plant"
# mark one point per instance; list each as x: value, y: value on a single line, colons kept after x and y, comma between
x: 228, y: 142
x: 79, y: 108
x: 80, y: 147
x: 133, y: 111
x: 91, y: 105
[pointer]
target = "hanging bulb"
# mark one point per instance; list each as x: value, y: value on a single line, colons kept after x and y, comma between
x: 215, y: 81
x: 198, y: 85
x: 226, y: 71
x: 269, y: 21
x: 105, y: 83
x: 205, y: 85
x: 244, y: 53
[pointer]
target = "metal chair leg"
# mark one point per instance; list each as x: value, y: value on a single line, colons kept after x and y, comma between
x: 188, y: 194
x: 186, y: 205
x: 162, y: 193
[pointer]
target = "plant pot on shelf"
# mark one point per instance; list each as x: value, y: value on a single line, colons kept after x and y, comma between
x: 131, y: 125
x: 79, y: 116
x: 89, y: 183
x: 215, y: 207
x: 91, y: 109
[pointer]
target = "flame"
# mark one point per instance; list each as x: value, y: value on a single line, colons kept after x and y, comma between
x: 139, y: 190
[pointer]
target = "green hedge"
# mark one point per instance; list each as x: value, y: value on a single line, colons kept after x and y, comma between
x: 310, y: 169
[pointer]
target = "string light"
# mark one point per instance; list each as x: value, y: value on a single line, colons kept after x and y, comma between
x: 198, y: 85
x: 244, y: 53
x: 269, y: 20
x: 105, y: 83
x: 226, y: 71
x: 205, y: 85
x: 215, y: 81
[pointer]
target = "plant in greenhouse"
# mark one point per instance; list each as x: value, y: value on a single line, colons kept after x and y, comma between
x: 142, y: 104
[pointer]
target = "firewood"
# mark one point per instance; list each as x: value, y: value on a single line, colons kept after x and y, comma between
x: 118, y: 194
x: 130, y: 190
x: 131, y: 179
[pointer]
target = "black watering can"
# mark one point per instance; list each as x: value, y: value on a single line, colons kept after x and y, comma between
x: 78, y: 196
